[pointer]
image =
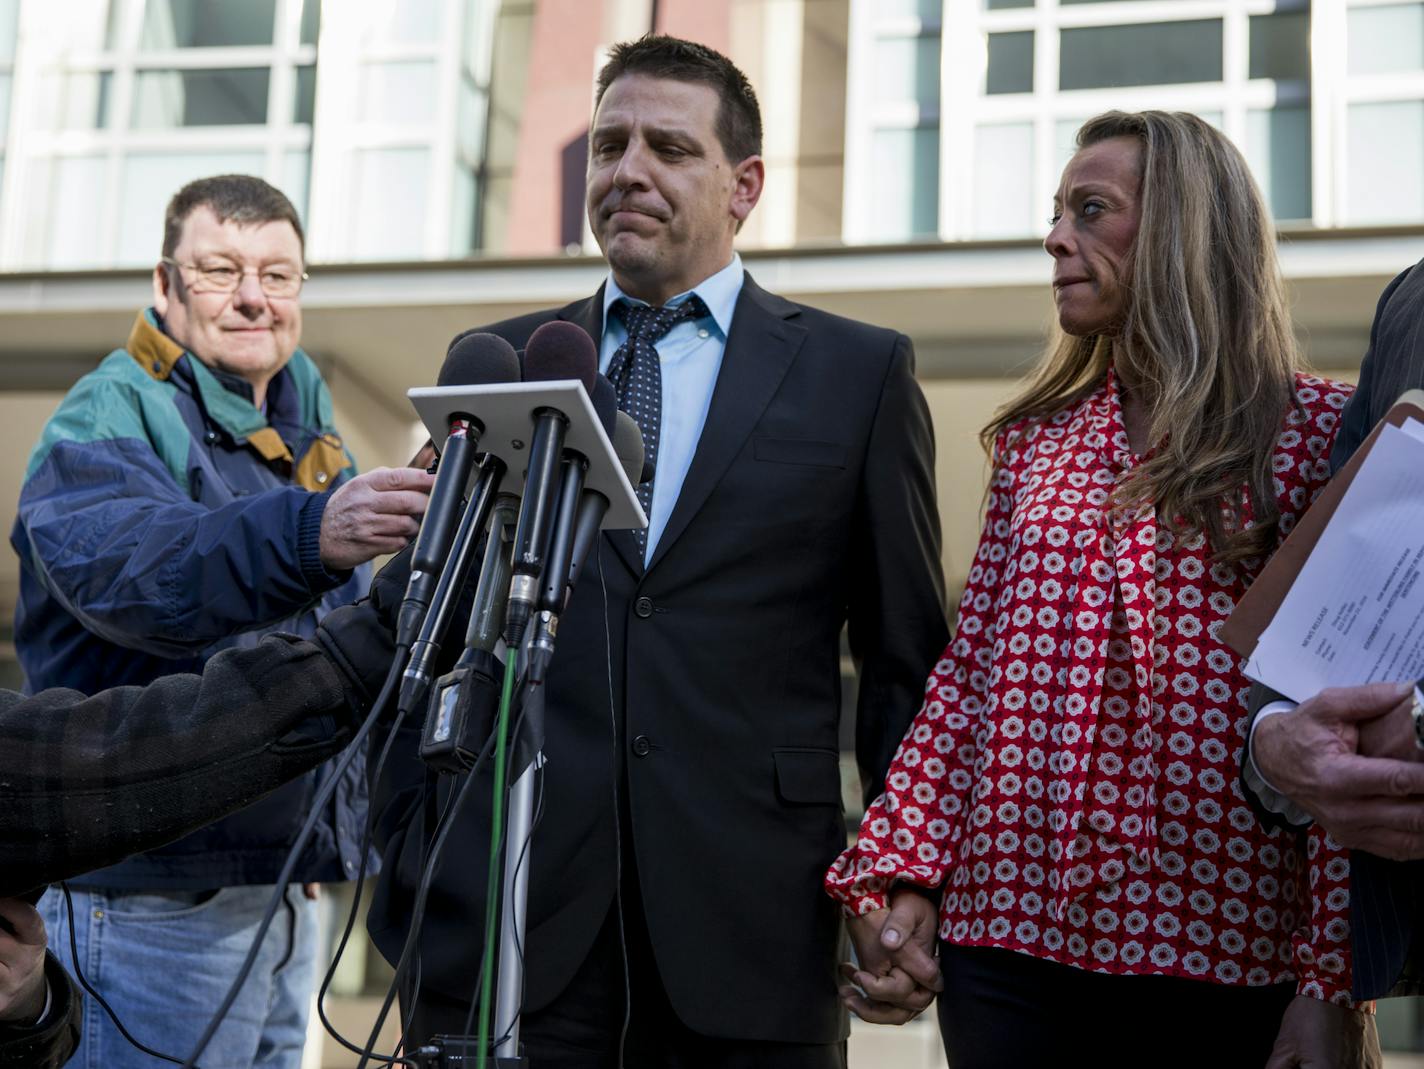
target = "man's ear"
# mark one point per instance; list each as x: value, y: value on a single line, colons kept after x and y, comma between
x: 748, y: 180
x: 162, y: 289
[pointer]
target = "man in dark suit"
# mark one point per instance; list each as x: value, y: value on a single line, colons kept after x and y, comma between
x: 1350, y: 757
x: 692, y: 796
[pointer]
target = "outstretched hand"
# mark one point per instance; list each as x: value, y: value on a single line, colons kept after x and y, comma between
x: 898, y: 975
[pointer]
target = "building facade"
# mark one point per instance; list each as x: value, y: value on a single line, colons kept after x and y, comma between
x: 435, y: 149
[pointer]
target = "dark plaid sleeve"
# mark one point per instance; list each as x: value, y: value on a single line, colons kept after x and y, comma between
x: 48, y: 1044
x: 86, y: 781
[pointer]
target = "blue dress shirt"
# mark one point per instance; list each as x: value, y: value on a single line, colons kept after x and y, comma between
x: 690, y: 357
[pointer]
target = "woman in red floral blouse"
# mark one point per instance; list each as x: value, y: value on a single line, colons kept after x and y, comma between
x: 1069, y: 791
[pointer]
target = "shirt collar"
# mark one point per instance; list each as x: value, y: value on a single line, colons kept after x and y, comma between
x: 719, y: 293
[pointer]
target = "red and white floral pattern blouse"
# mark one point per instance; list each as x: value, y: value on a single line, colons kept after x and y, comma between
x: 1072, y: 778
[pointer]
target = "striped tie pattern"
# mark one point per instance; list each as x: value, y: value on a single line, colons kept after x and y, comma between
x: 638, y: 379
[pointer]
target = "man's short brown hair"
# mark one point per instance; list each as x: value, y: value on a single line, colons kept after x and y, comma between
x: 657, y: 55
x: 239, y: 198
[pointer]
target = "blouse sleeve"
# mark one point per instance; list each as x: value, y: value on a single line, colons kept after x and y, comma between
x: 910, y: 831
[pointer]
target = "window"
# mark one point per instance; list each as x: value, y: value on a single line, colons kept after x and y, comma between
x: 148, y: 95
x: 1165, y: 53
x: 1020, y: 78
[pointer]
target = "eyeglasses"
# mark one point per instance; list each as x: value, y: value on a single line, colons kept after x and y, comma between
x: 224, y: 278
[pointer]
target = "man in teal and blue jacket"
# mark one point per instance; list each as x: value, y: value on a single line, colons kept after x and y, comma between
x: 190, y: 495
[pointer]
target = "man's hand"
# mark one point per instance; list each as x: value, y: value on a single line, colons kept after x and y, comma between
x: 22, y: 958
x: 1309, y: 755
x: 375, y: 513
x: 1318, y: 1035
x: 898, y: 975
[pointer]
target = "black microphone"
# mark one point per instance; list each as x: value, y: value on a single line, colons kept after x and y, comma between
x: 628, y: 445
x: 466, y: 699
x: 552, y: 597
x: 473, y: 359
x: 555, y: 351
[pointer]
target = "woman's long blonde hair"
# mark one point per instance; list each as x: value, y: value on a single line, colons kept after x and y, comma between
x: 1206, y: 336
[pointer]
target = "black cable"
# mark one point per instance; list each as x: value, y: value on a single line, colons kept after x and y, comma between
x: 427, y: 878
x: 617, y: 822
x: 289, y: 865
x: 365, y: 851
x: 88, y: 987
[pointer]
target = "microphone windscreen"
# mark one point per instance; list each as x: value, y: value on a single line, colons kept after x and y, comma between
x: 605, y: 403
x: 560, y: 350
x: 479, y: 359
x: 628, y: 444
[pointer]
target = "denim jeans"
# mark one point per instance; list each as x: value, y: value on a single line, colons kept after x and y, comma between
x: 164, y: 959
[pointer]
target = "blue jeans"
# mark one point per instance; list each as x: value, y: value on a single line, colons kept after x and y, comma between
x: 164, y: 959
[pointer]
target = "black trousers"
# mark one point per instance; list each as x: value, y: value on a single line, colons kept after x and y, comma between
x: 1004, y: 1010
x: 584, y: 1027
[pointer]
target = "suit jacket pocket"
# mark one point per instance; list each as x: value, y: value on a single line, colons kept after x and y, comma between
x: 807, y: 776
x: 800, y: 451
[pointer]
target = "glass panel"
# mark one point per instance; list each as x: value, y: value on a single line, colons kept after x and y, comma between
x: 207, y: 23
x: 9, y: 19
x: 76, y: 195
x: 1010, y: 63
x: 479, y: 39
x: 164, y: 99
x: 1384, y: 157
x: 1171, y: 53
x: 78, y: 101
x: 992, y: 4
x: 907, y: 198
x: 4, y: 108
x: 1003, y: 180
x: 391, y: 199
x: 304, y: 107
x: 296, y: 176
x: 311, y: 21
x: 402, y: 21
x: 930, y: 10
x: 1278, y: 149
x: 470, y: 122
x: 401, y: 93
x: 1385, y: 39
x: 907, y: 69
x: 1280, y: 45
x: 462, y: 215
x: 149, y: 179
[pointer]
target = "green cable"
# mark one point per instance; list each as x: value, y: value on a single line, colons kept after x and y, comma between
x: 496, y: 833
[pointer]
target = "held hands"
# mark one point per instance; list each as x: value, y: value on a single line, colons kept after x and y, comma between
x: 1319, y: 755
x: 22, y: 957
x: 1318, y: 1035
x: 898, y: 975
x: 375, y: 513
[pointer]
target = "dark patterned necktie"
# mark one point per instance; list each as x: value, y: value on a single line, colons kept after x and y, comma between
x: 638, y: 377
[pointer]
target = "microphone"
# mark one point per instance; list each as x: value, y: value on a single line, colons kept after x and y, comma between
x: 628, y: 445
x: 555, y: 351
x: 466, y: 699
x: 552, y: 596
x: 473, y: 359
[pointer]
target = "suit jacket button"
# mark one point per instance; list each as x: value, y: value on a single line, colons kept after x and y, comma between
x: 642, y: 746
x: 643, y: 607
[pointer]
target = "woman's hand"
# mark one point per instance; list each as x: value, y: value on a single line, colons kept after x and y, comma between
x: 1318, y: 1035
x: 898, y: 975
x: 22, y: 958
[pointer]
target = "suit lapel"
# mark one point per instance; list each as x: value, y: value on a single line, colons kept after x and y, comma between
x: 589, y: 315
x: 760, y: 350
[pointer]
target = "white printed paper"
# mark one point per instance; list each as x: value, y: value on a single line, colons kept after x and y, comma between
x: 1355, y: 613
